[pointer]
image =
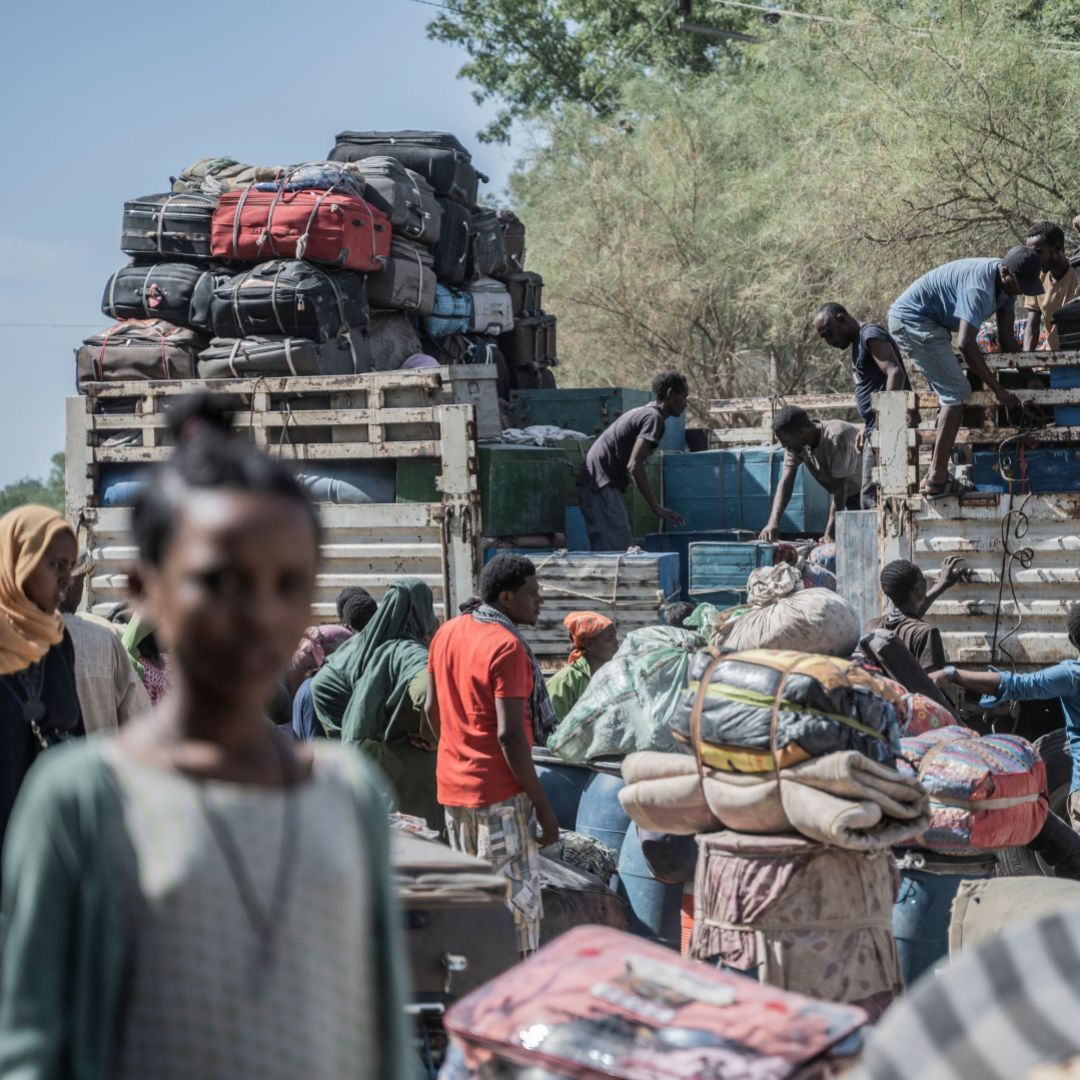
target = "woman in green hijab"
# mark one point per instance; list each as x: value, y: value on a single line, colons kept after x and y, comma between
x: 371, y: 692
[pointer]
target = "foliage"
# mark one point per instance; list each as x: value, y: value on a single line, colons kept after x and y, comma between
x: 536, y: 56
x: 48, y: 493
x: 702, y: 229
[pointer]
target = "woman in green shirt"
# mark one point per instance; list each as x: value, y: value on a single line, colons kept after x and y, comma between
x: 595, y: 642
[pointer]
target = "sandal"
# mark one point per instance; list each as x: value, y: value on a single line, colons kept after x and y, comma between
x: 931, y: 491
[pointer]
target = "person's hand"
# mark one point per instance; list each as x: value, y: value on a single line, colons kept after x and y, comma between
x: 422, y: 744
x: 1006, y: 398
x: 951, y: 570
x: 826, y: 539
x: 860, y: 441
x: 549, y: 825
x: 665, y: 514
x: 769, y: 533
x: 940, y: 678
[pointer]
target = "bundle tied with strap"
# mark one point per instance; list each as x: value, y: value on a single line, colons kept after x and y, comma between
x: 844, y: 797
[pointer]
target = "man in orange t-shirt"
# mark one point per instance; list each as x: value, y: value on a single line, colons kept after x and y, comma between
x: 488, y: 704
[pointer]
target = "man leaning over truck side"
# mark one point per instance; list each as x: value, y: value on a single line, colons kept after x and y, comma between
x: 621, y: 453
x: 955, y: 298
x: 1060, y: 681
x: 1060, y: 283
x: 875, y: 365
x: 829, y: 451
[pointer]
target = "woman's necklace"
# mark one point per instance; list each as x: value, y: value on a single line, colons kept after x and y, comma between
x: 32, y: 682
x: 265, y: 921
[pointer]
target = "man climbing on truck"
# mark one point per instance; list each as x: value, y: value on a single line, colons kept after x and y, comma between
x: 619, y: 454
x: 955, y: 298
x: 829, y: 450
x: 875, y: 365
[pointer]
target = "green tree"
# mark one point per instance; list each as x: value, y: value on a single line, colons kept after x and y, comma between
x: 536, y: 56
x: 49, y: 492
x: 704, y: 228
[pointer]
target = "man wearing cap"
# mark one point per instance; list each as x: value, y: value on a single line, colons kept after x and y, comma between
x: 956, y: 298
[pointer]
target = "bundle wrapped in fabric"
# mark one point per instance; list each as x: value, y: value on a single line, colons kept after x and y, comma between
x: 823, y: 555
x: 986, y: 792
x: 843, y: 799
x: 785, y: 615
x: 825, y: 705
x: 920, y: 714
x: 816, y: 576
x: 629, y: 701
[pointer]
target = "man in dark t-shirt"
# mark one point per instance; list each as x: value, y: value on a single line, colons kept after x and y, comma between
x: 904, y: 584
x: 619, y: 455
x: 875, y: 364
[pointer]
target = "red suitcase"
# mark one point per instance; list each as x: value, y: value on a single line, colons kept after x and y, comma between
x: 325, y: 227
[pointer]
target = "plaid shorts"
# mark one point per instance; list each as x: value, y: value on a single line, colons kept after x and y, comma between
x: 505, y: 835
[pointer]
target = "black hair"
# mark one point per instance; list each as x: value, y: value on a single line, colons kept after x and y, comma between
x: 669, y: 380
x: 676, y: 614
x: 208, y: 456
x: 355, y: 607
x: 1074, y: 625
x: 1047, y: 232
x: 899, y: 579
x: 831, y: 310
x: 505, y: 573
x: 791, y: 418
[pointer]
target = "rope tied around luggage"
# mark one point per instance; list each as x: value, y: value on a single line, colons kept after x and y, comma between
x: 561, y: 591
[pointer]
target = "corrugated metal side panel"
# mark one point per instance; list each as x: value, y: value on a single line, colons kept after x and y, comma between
x: 857, y: 566
x: 1034, y: 601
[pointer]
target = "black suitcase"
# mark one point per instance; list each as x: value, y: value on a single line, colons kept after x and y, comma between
x: 278, y: 356
x: 526, y: 293
x: 176, y: 292
x: 487, y: 255
x: 513, y: 230
x: 435, y: 155
x: 404, y: 196
x: 452, y: 250
x: 292, y: 298
x: 168, y: 227
x: 531, y: 343
x: 392, y: 339
x: 406, y: 282
x: 138, y: 349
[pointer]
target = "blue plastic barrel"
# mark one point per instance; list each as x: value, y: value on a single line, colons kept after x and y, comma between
x: 600, y: 814
x: 921, y: 917
x: 119, y: 485
x: 563, y: 785
x: 655, y: 908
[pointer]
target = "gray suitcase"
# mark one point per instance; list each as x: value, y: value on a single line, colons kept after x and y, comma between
x: 138, y: 349
x: 278, y: 356
x: 173, y: 226
x: 407, y: 282
x: 406, y: 198
x: 393, y: 339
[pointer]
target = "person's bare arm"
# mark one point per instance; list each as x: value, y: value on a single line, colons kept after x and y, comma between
x: 510, y: 715
x: 885, y: 357
x: 968, y: 344
x: 981, y: 682
x: 431, y: 707
x: 835, y: 503
x: 638, y: 457
x: 1006, y: 326
x: 950, y: 574
x: 780, y: 501
x: 1031, y: 330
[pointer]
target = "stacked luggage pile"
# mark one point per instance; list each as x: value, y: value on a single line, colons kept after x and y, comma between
x: 354, y: 264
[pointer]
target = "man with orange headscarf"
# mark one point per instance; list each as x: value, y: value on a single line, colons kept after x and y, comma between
x: 595, y: 641
x: 39, y: 704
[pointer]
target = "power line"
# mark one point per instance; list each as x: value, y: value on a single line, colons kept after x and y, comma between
x: 665, y: 12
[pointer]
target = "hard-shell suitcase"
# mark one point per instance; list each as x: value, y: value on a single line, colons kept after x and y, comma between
x: 173, y: 226
x: 487, y: 255
x: 492, y: 311
x: 407, y: 282
x: 289, y: 297
x: 404, y: 196
x: 513, y: 232
x: 392, y: 339
x: 531, y: 342
x: 435, y: 155
x: 176, y: 292
x: 452, y: 250
x: 138, y: 349
x: 320, y: 226
x: 213, y: 175
x: 452, y: 314
x: 526, y: 293
x: 275, y: 355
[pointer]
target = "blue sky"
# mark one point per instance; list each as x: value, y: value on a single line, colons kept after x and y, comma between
x: 104, y: 102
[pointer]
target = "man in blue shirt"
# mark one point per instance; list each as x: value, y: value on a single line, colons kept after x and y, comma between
x: 875, y: 365
x: 1060, y: 681
x: 956, y: 298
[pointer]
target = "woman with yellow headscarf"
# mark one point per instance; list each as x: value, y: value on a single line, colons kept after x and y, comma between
x: 38, y: 702
x: 595, y: 641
